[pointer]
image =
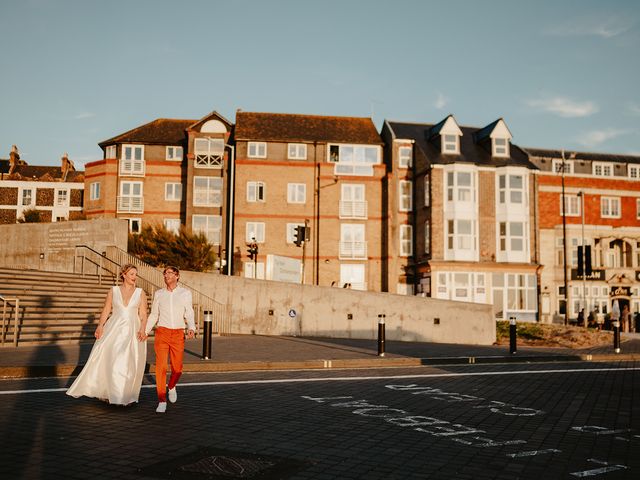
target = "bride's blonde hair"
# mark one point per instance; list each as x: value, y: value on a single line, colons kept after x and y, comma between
x: 125, y: 268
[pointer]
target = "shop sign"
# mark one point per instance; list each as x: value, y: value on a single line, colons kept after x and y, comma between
x: 620, y: 292
x: 596, y: 275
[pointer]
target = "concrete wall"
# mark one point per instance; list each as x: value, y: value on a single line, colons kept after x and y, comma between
x: 262, y: 307
x: 22, y: 244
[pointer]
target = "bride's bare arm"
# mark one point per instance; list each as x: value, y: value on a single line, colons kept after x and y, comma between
x: 106, y: 310
x: 142, y: 313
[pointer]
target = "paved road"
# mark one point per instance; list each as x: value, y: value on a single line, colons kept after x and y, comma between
x: 537, y: 421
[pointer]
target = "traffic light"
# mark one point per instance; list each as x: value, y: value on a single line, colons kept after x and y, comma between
x: 299, y: 235
x: 580, y: 261
x: 252, y: 251
x: 584, y: 260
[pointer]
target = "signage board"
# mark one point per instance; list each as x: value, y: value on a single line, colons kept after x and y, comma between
x: 596, y: 275
x: 284, y: 269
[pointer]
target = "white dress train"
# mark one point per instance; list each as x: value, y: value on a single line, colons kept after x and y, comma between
x: 115, y: 367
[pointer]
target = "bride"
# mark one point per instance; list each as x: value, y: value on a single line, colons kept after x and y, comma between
x: 115, y: 367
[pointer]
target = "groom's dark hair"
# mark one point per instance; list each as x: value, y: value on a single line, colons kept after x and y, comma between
x: 175, y: 270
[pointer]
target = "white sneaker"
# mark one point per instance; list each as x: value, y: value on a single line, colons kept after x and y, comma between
x: 173, y: 395
x: 162, y: 407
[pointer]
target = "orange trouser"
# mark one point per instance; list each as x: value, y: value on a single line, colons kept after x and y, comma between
x: 168, y: 342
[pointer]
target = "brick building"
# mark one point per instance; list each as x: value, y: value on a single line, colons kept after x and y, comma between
x: 55, y: 192
x: 462, y: 215
x: 602, y: 192
x: 322, y: 170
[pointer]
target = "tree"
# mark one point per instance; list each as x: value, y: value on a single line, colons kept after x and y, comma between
x: 31, y: 215
x: 160, y: 247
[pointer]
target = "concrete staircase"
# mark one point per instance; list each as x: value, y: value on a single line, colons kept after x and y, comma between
x: 54, y: 307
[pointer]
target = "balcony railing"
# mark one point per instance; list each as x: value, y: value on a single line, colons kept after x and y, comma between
x: 353, y: 209
x: 353, y: 250
x: 130, y: 205
x: 132, y: 168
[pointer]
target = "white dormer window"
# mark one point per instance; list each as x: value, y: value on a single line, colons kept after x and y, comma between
x: 450, y: 143
x: 559, y: 166
x: 601, y: 169
x: 634, y: 172
x: 500, y: 147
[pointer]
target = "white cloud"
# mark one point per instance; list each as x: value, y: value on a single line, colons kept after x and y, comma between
x: 83, y: 115
x: 564, y: 107
x: 596, y: 137
x: 593, y: 25
x: 441, y: 101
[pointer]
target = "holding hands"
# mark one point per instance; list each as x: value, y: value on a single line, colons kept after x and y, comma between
x: 142, y: 335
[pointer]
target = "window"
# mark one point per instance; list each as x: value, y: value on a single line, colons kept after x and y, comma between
x: 291, y: 231
x: 209, y: 225
x: 174, y: 154
x: 173, y: 192
x: 254, y: 232
x: 406, y: 196
x: 460, y: 187
x: 172, y: 224
x: 512, y: 236
x: 297, y: 151
x: 130, y: 199
x: 500, y: 147
x: 207, y: 191
x: 572, y: 206
x: 450, y: 143
x: 602, y: 169
x: 62, y: 197
x: 255, y: 192
x: 132, y: 161
x: 610, y: 207
x: 352, y: 242
x: 27, y: 197
x: 110, y: 152
x: 354, y: 159
x: 94, y: 191
x: 404, y: 157
x: 353, y: 275
x: 296, y: 193
x: 511, y: 189
x: 257, y: 150
x: 634, y: 172
x: 427, y: 191
x: 427, y: 237
x: 352, y: 201
x: 209, y: 152
x: 406, y: 240
x: 558, y: 166
x: 135, y: 225
x: 460, y: 235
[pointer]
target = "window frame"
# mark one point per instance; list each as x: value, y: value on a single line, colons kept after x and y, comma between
x: 299, y: 151
x: 405, y: 196
x: 293, y: 192
x: 405, y: 157
x: 210, y: 157
x: 569, y: 211
x: 501, y: 151
x: 256, y: 192
x: 172, y: 197
x: 255, y: 232
x: 94, y: 191
x: 406, y: 240
x: 606, y: 169
x: 171, y: 153
x: 450, y: 140
x: 213, y: 234
x: 213, y: 196
x: 257, y: 149
x: 609, y: 213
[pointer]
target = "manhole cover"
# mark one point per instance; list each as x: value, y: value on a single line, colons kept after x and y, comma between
x: 215, y: 464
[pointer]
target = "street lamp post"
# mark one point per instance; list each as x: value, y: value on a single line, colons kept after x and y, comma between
x: 230, y: 212
x: 564, y: 249
x: 583, y: 254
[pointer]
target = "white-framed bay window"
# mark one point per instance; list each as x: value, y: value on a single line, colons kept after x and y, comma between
x: 511, y: 189
x: 209, y: 225
x: 461, y: 239
x: 208, y: 152
x: 461, y: 186
x: 207, y: 191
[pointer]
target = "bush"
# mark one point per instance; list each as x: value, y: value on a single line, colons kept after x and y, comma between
x: 31, y: 215
x: 160, y: 247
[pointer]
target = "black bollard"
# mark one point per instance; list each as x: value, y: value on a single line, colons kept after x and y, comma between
x: 381, y: 318
x: 206, y: 338
x: 513, y: 348
x: 616, y: 336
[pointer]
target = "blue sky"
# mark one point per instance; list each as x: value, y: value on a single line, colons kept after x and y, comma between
x: 563, y: 74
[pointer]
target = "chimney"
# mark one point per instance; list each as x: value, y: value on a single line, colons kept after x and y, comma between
x: 67, y: 166
x: 14, y: 159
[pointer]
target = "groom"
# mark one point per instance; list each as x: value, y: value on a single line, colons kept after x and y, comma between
x: 171, y: 307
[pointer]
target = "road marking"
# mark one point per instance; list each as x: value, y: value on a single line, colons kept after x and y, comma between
x: 532, y: 453
x: 356, y: 379
x: 597, y: 471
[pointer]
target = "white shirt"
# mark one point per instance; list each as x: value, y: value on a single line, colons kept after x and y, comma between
x: 171, y: 309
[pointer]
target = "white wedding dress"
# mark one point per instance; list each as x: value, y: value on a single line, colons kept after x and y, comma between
x: 115, y: 367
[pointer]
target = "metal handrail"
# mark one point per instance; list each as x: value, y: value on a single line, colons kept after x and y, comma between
x: 5, y: 302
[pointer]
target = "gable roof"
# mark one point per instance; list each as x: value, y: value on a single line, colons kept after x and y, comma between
x: 572, y: 155
x: 470, y: 150
x: 164, y: 131
x: 286, y: 127
x: 488, y: 130
x: 42, y: 173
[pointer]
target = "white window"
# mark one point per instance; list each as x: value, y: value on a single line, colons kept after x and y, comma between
x: 634, y: 172
x: 255, y: 192
x: 255, y: 232
x: 352, y: 276
x: 427, y: 192
x: 450, y: 143
x: 27, y: 197
x: 257, y: 150
x: 132, y: 161
x: 207, y: 191
x: 352, y: 201
x: 297, y: 151
x: 110, y: 152
x: 209, y: 152
x: 62, y: 197
x: 572, y: 206
x: 405, y: 157
x: 135, y: 225
x: 500, y: 147
x: 253, y: 269
x: 602, y: 169
x: 352, y: 241
x: 511, y: 189
x: 354, y: 159
x: 173, y: 192
x: 296, y: 193
x: 512, y: 236
x: 610, y: 207
x: 427, y: 237
x: 461, y: 235
x: 460, y: 187
x: 209, y: 225
x: 130, y: 199
x: 558, y: 166
x: 174, y: 154
x: 291, y: 231
x: 172, y: 224
x: 94, y: 191
x: 406, y: 240
x: 406, y: 196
